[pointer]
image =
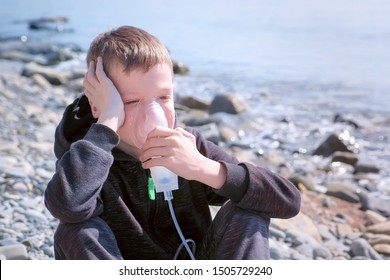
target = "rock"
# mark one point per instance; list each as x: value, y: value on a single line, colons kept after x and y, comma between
x: 343, y: 230
x: 345, y: 191
x: 374, y: 202
x: 374, y: 217
x: 41, y: 81
x: 49, y: 23
x: 35, y: 216
x: 49, y: 251
x: 306, y: 250
x: 302, y: 224
x: 382, y: 228
x: 382, y: 248
x: 16, y: 168
x: 227, y: 103
x: 228, y: 133
x: 361, y: 248
x: 278, y: 234
x: 10, y: 148
x: 375, y: 239
x: 193, y: 117
x: 244, y: 155
x: 194, y: 103
x: 345, y: 157
x: 279, y: 251
x: 366, y: 168
x: 343, y: 119
x: 301, y: 181
x: 321, y: 253
x: 180, y: 68
x: 337, y: 143
x: 8, y: 241
x: 20, y: 187
x: 14, y: 252
x: 326, y: 233
x: 210, y: 132
x: 56, y: 19
x: 24, y: 57
x: 51, y: 53
x: 55, y: 77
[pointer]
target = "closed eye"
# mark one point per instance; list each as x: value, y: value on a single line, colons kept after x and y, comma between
x: 165, y: 97
x: 131, y: 102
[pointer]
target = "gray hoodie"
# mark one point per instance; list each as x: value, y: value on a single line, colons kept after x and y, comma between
x: 94, y: 178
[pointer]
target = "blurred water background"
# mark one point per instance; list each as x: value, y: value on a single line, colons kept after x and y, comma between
x: 333, y: 53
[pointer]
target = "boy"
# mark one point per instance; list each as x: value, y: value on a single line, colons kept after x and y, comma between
x: 99, y: 191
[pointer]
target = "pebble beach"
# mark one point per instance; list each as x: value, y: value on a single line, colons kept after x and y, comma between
x: 339, y: 162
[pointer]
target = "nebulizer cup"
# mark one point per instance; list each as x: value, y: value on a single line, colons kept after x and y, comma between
x: 147, y: 115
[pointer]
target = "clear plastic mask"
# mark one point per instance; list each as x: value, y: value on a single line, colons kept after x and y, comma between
x: 146, y: 115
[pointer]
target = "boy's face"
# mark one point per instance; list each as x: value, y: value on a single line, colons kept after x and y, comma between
x: 137, y: 86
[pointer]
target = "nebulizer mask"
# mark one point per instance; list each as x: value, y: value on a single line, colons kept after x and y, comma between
x: 147, y: 114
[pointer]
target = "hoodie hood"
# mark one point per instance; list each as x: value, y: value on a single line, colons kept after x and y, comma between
x: 75, y: 122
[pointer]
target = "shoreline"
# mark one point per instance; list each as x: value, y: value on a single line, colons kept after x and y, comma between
x: 345, y: 185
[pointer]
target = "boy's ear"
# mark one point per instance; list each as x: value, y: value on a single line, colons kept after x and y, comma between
x: 94, y: 110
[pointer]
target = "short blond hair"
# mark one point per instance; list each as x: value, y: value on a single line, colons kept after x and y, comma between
x: 131, y: 47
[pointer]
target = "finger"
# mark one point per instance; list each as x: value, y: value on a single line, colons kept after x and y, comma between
x: 153, y: 162
x: 156, y: 161
x: 88, y: 94
x: 184, y: 132
x: 88, y: 86
x: 160, y: 131
x: 91, y: 69
x: 154, y: 142
x: 158, y: 137
x: 90, y: 76
x: 101, y: 75
x: 155, y: 152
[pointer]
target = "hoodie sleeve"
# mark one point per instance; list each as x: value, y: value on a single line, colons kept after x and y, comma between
x: 252, y: 187
x: 83, y: 149
x: 72, y: 195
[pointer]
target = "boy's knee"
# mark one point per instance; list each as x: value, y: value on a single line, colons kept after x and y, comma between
x: 238, y: 234
x: 91, y: 239
x: 79, y: 231
x: 230, y: 214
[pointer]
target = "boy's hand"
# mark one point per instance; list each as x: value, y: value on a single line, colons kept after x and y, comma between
x: 176, y: 150
x: 105, y: 100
